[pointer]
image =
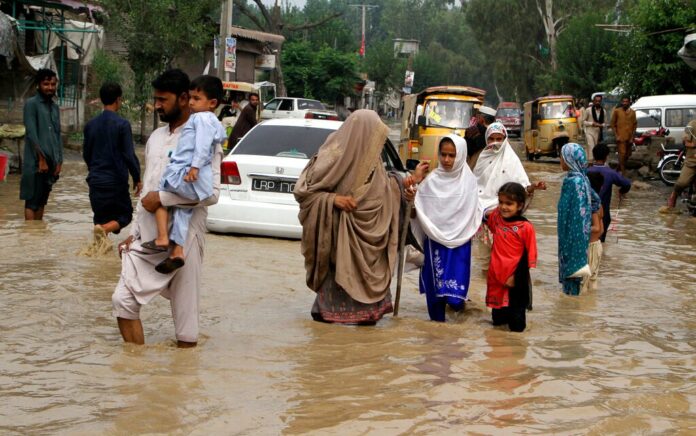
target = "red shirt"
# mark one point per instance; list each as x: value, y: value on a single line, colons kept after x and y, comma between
x: 510, y: 239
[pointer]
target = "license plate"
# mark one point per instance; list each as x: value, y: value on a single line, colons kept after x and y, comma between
x: 269, y: 185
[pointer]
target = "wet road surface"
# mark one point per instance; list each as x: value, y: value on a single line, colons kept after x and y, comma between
x: 620, y: 360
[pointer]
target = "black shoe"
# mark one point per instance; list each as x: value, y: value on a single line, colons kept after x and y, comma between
x: 169, y: 265
x: 151, y: 245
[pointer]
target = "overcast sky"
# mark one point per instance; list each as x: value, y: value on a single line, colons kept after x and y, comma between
x: 299, y: 3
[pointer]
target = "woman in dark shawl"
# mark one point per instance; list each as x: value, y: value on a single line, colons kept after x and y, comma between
x: 349, y: 210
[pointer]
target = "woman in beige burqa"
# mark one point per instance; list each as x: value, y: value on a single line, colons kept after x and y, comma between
x: 349, y: 210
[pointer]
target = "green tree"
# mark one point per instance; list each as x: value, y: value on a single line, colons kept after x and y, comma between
x: 511, y: 37
x: 335, y: 74
x: 274, y: 21
x: 645, y: 61
x: 336, y: 33
x: 382, y: 67
x: 298, y: 59
x: 325, y: 74
x: 520, y: 40
x: 155, y: 32
x: 582, y: 53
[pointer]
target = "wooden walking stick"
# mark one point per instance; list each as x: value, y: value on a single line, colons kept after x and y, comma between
x: 402, y: 256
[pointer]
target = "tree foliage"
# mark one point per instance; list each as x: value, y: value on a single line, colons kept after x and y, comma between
x: 325, y: 74
x: 645, y: 61
x: 583, y: 53
x: 274, y: 20
x: 155, y: 32
x: 515, y: 49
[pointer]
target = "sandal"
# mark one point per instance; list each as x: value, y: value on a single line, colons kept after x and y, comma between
x: 151, y: 245
x: 169, y: 265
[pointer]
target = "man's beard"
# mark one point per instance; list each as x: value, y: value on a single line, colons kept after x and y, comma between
x: 171, y: 116
x: 47, y: 96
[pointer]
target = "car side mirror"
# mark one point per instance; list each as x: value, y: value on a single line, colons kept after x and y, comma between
x: 411, y: 164
x: 421, y: 121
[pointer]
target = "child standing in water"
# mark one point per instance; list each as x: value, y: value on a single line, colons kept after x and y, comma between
x: 189, y: 172
x: 575, y: 207
x: 514, y: 252
x: 594, y: 252
x: 448, y: 213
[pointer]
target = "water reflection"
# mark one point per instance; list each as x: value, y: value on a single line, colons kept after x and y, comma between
x: 618, y: 360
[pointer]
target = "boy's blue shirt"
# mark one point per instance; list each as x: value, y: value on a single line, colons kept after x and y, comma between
x: 611, y: 178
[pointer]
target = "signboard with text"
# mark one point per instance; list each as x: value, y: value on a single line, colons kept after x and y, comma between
x: 230, y: 55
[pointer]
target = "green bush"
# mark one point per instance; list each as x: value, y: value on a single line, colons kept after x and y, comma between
x: 109, y: 67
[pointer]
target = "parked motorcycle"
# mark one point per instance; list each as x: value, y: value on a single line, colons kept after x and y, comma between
x: 644, y: 137
x: 670, y: 165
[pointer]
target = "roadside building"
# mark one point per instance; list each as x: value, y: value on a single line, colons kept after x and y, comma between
x: 58, y: 34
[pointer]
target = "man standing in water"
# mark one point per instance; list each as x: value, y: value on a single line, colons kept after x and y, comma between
x: 139, y: 282
x: 623, y: 122
x: 592, y: 122
x: 109, y: 154
x: 43, y: 149
x: 688, y: 171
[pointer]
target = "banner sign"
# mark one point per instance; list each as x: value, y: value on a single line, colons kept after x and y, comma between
x: 216, y: 52
x: 230, y: 55
x: 408, y: 80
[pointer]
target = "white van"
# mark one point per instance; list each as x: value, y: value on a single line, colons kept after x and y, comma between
x: 671, y: 111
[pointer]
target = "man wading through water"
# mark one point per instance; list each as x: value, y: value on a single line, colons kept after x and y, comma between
x: 110, y: 156
x: 43, y: 149
x: 139, y: 282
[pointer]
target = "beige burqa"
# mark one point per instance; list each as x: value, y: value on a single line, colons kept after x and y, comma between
x: 362, y: 245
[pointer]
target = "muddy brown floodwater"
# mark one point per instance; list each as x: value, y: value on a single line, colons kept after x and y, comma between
x: 619, y: 360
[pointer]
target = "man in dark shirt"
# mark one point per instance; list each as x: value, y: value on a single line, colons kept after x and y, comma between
x: 476, y: 135
x: 43, y: 149
x: 247, y: 120
x: 110, y: 156
x: 611, y: 178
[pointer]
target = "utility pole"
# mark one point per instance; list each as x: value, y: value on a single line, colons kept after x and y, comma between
x: 225, y: 31
x: 364, y: 8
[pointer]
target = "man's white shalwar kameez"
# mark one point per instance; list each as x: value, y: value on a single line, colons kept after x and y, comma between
x: 139, y: 282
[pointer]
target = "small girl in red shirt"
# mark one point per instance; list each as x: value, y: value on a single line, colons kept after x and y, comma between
x: 514, y: 252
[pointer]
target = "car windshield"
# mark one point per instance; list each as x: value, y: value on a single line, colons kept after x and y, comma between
x: 300, y: 142
x: 508, y: 112
x: 310, y: 104
x: 448, y: 113
x: 556, y: 110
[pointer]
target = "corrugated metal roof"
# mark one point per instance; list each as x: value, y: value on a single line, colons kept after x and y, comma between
x: 241, y: 32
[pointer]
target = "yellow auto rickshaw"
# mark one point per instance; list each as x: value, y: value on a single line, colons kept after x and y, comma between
x: 549, y: 122
x: 432, y: 114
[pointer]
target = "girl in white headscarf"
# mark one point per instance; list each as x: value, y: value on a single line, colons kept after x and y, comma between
x: 497, y: 165
x: 448, y: 214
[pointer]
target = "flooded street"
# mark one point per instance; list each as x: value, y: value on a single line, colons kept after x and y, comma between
x: 619, y: 360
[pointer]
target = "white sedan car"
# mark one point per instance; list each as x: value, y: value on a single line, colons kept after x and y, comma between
x: 292, y: 107
x: 259, y: 175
